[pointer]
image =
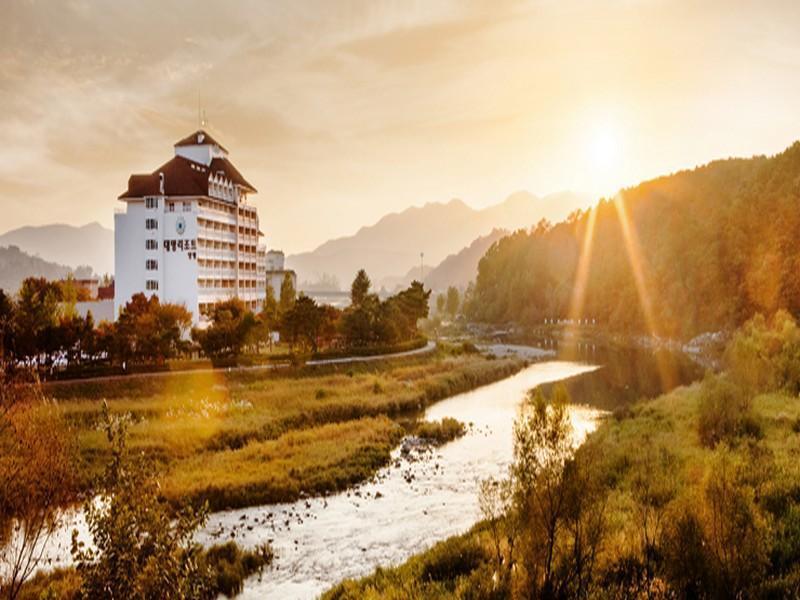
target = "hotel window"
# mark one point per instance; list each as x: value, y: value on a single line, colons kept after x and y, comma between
x: 151, y: 224
x: 187, y: 207
x: 151, y: 245
x: 151, y: 202
x: 151, y: 264
x: 151, y: 285
x: 171, y: 207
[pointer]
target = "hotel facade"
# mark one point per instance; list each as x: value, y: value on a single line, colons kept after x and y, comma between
x: 187, y: 233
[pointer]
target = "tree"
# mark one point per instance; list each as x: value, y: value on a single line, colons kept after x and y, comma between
x: 37, y: 469
x: 231, y: 328
x: 148, y: 331
x: 288, y: 294
x: 557, y: 500
x: 453, y: 301
x: 7, y: 310
x: 140, y: 550
x: 441, y: 302
x: 36, y: 317
x: 413, y: 305
x: 301, y: 324
x: 269, y: 317
x: 359, y: 288
x: 359, y: 321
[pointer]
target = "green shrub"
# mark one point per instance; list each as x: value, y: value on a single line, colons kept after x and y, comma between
x: 452, y: 559
x: 723, y: 411
x: 229, y: 566
x: 442, y: 431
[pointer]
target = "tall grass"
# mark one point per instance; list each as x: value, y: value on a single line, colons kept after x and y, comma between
x: 202, y: 426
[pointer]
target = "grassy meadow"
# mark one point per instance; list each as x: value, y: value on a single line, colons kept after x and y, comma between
x: 662, y: 478
x: 240, y: 438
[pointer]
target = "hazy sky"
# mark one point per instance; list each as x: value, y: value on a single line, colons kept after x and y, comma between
x: 339, y: 112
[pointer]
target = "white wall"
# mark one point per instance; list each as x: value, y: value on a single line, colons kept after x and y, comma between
x: 200, y: 153
x: 129, y: 236
x: 177, y: 269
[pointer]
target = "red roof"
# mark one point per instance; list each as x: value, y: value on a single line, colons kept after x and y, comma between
x: 182, y: 177
x: 199, y: 138
x: 224, y: 166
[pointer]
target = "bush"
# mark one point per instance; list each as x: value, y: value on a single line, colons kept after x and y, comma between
x: 764, y: 355
x: 451, y: 559
x: 724, y: 411
x: 442, y: 431
x: 229, y: 566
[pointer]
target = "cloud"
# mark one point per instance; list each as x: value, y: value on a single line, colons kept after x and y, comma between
x: 347, y: 110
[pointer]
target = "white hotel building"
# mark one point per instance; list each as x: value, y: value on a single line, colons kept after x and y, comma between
x: 187, y: 233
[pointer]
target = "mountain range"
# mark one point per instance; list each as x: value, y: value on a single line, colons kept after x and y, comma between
x: 456, y: 270
x: 89, y: 245
x: 390, y: 248
x: 16, y: 265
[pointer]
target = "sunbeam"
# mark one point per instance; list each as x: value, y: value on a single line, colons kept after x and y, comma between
x: 582, y: 271
x: 635, y: 260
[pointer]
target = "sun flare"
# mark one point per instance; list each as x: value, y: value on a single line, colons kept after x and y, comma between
x: 604, y: 147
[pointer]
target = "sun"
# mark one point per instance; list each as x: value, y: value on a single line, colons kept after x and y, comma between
x: 604, y: 147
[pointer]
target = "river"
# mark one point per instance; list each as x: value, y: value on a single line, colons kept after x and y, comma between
x: 420, y: 499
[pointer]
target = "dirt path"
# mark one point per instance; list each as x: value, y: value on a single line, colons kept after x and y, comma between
x: 429, y: 347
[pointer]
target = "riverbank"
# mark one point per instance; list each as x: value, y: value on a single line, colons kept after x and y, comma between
x: 701, y: 497
x: 706, y: 349
x: 423, y: 495
x: 241, y: 438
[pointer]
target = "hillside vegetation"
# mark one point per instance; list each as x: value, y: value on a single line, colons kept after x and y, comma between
x: 695, y: 494
x: 714, y: 246
x: 16, y: 266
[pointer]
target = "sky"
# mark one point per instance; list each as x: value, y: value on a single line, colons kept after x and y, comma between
x: 341, y: 112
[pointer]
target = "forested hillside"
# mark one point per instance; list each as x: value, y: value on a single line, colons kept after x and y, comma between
x: 714, y: 245
x: 16, y: 265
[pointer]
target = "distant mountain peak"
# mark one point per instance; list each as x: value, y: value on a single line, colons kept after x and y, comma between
x: 70, y: 245
x: 392, y: 245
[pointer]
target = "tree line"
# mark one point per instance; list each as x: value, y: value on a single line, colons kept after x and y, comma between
x: 40, y: 328
x: 712, y: 247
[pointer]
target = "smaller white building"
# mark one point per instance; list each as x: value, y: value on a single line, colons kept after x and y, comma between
x: 276, y: 272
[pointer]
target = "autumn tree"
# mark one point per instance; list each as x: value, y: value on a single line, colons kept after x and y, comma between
x: 140, y: 549
x: 230, y: 329
x: 37, y: 467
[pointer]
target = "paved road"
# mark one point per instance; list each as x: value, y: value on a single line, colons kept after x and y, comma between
x: 429, y: 347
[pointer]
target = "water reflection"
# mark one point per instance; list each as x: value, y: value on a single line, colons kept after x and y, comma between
x: 628, y: 375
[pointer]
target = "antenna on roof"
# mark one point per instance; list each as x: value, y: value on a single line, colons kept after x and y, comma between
x: 202, y: 120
